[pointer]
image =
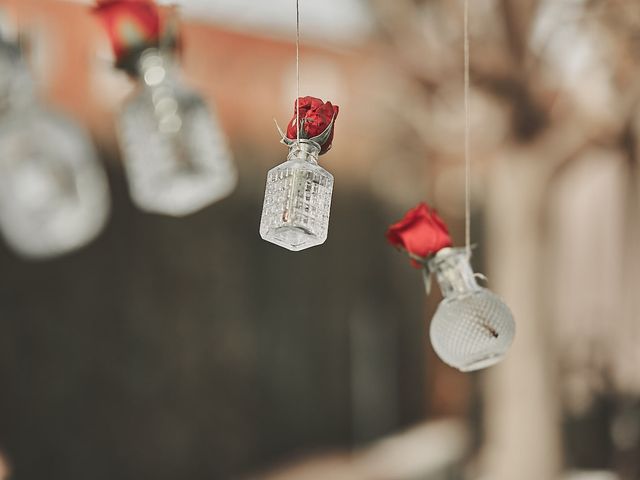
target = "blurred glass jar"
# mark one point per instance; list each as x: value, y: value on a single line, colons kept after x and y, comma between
x: 472, y: 327
x: 54, y: 194
x: 297, y: 200
x: 175, y: 153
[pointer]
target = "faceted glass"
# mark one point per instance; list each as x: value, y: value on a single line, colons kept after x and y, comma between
x: 297, y: 200
x: 472, y: 327
x: 176, y: 156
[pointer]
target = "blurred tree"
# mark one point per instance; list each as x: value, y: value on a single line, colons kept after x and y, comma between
x: 553, y: 84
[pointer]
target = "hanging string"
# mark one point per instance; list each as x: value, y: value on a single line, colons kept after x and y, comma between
x: 298, y: 70
x: 19, y: 38
x: 467, y: 135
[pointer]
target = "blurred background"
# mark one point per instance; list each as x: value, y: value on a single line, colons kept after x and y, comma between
x: 189, y: 348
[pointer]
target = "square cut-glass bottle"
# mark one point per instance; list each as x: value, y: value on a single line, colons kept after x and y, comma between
x: 297, y: 200
x: 175, y: 153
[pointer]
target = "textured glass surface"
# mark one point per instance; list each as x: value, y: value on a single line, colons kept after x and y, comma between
x: 472, y: 331
x: 472, y: 327
x: 175, y: 153
x: 53, y: 191
x: 297, y: 201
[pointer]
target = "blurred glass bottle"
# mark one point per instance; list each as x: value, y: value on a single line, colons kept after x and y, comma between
x: 472, y: 327
x: 54, y: 194
x: 175, y: 153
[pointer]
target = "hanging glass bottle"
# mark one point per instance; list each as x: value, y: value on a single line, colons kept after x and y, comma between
x: 175, y: 154
x: 297, y: 201
x: 53, y: 190
x: 472, y: 327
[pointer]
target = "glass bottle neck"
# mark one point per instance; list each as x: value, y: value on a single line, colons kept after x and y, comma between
x: 155, y: 68
x: 304, y: 151
x: 19, y: 90
x: 156, y: 75
x: 453, y: 272
x: 19, y: 93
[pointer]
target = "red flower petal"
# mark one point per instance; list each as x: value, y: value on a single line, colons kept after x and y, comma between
x: 130, y: 24
x: 421, y: 232
x: 315, y: 118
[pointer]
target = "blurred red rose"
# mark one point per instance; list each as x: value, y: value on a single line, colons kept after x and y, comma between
x: 131, y: 24
x: 316, y: 117
x: 421, y: 233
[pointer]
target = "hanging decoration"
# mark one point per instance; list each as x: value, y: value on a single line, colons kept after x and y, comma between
x: 472, y: 327
x: 54, y: 194
x: 297, y: 200
x: 175, y: 153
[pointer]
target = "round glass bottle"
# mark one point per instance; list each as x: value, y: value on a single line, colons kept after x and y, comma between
x: 54, y: 194
x: 472, y: 327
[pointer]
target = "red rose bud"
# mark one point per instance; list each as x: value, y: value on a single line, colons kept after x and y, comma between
x: 316, y: 119
x: 421, y: 233
x: 132, y: 25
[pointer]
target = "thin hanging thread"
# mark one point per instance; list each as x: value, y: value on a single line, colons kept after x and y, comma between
x: 19, y: 37
x: 467, y: 135
x: 298, y: 70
